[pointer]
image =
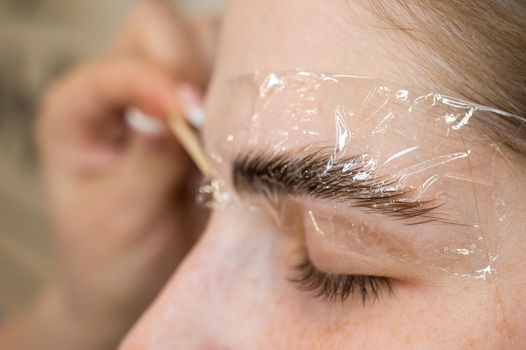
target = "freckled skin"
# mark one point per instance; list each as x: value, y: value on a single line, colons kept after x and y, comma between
x: 232, y: 291
x: 470, y: 344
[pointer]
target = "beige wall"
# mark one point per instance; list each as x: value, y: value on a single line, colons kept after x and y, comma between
x: 38, y: 40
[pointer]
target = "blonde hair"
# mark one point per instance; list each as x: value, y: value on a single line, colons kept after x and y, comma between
x: 476, y: 48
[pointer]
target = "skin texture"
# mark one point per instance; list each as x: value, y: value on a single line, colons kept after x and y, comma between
x: 231, y: 292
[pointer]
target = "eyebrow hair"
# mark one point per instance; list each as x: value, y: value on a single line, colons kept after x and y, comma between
x: 352, y: 180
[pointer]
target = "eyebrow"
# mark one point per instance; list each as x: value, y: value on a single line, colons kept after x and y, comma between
x: 352, y: 180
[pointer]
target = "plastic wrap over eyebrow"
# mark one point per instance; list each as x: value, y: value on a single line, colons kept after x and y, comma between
x: 379, y: 170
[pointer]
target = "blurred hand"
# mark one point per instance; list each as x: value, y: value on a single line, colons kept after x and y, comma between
x: 122, y: 202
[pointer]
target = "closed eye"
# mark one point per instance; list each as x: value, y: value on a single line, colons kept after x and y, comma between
x: 332, y: 287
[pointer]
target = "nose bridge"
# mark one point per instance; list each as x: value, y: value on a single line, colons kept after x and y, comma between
x: 229, y: 255
x: 213, y: 296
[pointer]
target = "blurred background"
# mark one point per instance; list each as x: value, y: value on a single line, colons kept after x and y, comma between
x: 40, y: 39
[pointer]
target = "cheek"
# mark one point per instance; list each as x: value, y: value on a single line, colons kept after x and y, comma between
x: 442, y: 317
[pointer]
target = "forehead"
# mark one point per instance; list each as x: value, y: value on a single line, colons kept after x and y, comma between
x: 298, y: 111
x: 335, y: 36
x: 276, y: 35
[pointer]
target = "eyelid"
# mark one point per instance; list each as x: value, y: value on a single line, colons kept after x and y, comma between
x: 333, y: 287
x: 358, y: 246
x: 343, y: 241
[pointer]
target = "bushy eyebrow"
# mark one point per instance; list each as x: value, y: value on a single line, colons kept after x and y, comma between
x: 351, y: 181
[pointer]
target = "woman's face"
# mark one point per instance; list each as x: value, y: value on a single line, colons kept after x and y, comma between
x: 352, y: 214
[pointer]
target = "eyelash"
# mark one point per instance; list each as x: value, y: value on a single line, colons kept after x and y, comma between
x: 331, y: 287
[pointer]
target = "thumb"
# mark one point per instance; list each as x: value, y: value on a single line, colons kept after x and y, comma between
x: 157, y: 160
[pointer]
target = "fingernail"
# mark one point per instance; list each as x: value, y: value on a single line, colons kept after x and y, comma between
x: 192, y: 102
x: 195, y: 116
x: 143, y: 123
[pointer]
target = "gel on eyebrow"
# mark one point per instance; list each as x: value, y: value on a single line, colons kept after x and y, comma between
x: 425, y: 140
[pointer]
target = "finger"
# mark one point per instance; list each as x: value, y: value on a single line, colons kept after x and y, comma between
x: 205, y: 32
x: 155, y: 31
x: 90, y: 101
x: 88, y: 95
x: 154, y: 167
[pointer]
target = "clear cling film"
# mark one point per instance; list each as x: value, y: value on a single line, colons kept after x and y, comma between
x: 211, y: 194
x: 344, y: 170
